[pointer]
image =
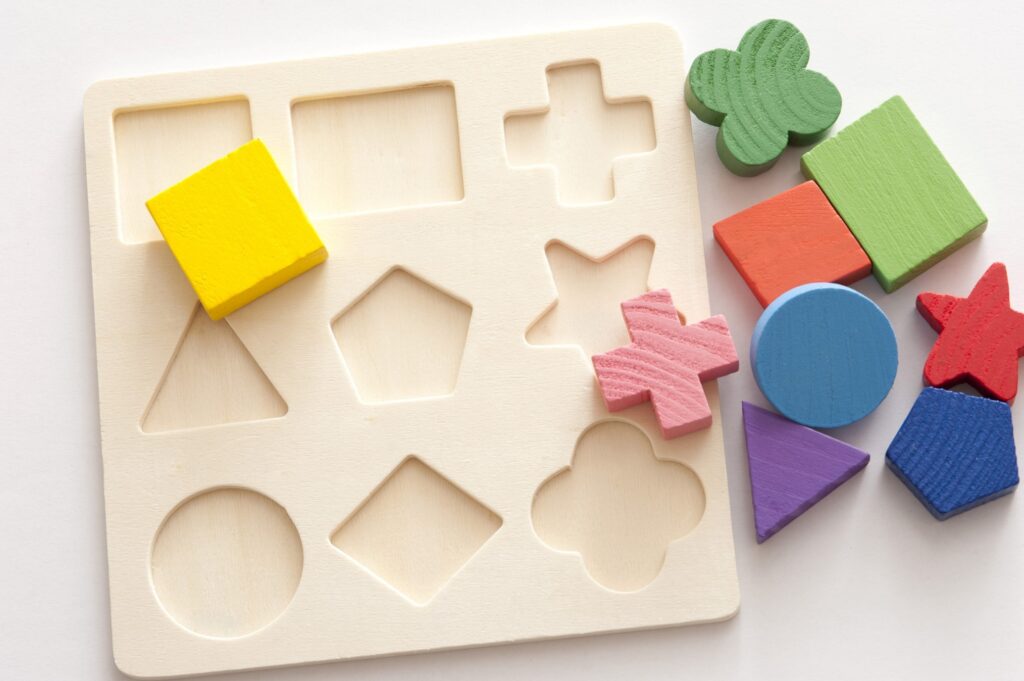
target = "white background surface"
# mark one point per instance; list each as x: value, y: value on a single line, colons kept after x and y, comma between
x: 865, y: 586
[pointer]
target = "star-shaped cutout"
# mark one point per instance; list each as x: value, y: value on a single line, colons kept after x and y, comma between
x: 590, y: 290
x: 980, y: 337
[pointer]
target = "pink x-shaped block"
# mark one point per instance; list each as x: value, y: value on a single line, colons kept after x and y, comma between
x: 666, y: 363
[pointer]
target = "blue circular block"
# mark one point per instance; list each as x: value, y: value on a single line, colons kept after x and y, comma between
x: 824, y: 355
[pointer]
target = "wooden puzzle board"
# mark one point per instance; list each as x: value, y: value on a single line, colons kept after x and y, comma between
x: 375, y: 458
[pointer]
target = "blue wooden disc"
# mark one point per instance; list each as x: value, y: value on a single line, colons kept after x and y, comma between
x: 824, y: 355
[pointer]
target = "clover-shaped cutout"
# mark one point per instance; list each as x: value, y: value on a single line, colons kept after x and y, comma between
x: 762, y: 96
x: 618, y: 506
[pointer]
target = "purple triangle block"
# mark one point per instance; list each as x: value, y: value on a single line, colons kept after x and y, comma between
x: 792, y: 467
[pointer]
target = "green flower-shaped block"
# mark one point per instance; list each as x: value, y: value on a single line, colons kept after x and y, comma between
x: 762, y: 97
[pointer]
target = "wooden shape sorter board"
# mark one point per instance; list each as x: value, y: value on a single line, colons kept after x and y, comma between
x: 385, y: 454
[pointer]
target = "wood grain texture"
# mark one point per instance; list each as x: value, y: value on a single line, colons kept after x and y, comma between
x: 824, y: 355
x: 793, y: 238
x: 980, y: 337
x: 236, y: 229
x: 152, y: 157
x: 581, y: 133
x: 211, y: 379
x: 618, y: 506
x: 587, y: 312
x: 226, y: 562
x: 403, y: 339
x: 762, y: 96
x: 416, y: 530
x: 896, y: 191
x: 377, y: 151
x: 792, y: 467
x: 955, y: 451
x: 666, y: 363
x: 517, y: 410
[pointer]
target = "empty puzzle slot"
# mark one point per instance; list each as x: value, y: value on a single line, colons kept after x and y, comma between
x: 403, y: 339
x: 590, y: 291
x: 159, y: 147
x: 618, y: 506
x: 416, y: 530
x: 377, y: 151
x: 581, y: 133
x: 211, y: 379
x: 226, y: 562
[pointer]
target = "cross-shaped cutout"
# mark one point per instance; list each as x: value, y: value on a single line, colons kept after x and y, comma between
x: 580, y: 134
x: 666, y: 363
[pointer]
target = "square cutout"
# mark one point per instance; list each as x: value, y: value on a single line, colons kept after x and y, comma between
x: 378, y: 151
x: 157, y: 148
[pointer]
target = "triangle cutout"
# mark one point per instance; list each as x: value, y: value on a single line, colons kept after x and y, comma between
x: 211, y: 380
x: 792, y: 467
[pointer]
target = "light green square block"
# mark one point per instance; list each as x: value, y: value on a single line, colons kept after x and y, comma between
x: 896, y: 191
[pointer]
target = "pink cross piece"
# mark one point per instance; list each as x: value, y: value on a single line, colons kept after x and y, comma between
x: 666, y: 363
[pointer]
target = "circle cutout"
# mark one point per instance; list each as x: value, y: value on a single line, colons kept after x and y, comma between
x: 226, y: 562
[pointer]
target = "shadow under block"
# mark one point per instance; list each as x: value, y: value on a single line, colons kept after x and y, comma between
x: 762, y: 96
x: 824, y: 355
x: 896, y: 191
x: 792, y: 467
x: 414, y: 419
x: 980, y: 337
x: 793, y: 238
x: 955, y: 451
x: 666, y: 363
x: 236, y: 229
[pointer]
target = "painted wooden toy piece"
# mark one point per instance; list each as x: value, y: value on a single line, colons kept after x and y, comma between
x: 762, y: 97
x: 666, y: 363
x: 980, y: 337
x: 955, y: 451
x: 793, y: 238
x: 236, y: 229
x: 824, y: 355
x: 792, y: 467
x: 896, y: 191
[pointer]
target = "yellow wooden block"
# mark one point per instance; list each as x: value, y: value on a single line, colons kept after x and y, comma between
x: 237, y: 229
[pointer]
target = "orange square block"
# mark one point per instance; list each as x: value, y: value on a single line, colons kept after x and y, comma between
x: 791, y: 239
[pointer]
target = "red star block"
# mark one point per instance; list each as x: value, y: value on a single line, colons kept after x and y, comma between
x: 666, y: 363
x: 980, y: 337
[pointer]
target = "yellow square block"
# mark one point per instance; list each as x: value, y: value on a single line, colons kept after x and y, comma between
x: 236, y: 229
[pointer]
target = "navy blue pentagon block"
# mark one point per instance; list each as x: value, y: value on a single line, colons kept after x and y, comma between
x: 955, y: 451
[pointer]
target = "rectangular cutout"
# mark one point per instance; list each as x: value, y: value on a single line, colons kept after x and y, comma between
x: 157, y: 148
x: 378, y: 151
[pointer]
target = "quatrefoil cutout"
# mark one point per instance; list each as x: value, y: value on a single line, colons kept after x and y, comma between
x: 619, y: 506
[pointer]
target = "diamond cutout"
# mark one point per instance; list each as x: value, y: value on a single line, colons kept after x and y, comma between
x: 416, y: 531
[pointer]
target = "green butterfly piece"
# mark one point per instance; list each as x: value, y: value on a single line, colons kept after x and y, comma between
x: 762, y: 97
